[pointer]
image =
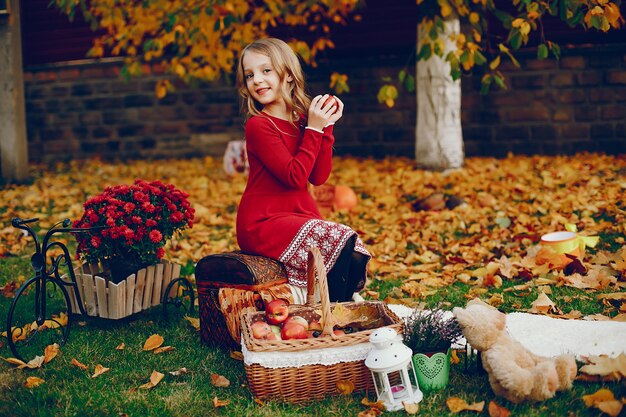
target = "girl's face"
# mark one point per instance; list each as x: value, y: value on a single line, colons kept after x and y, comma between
x: 263, y: 82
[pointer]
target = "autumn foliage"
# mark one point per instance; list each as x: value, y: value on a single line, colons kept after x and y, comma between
x: 200, y: 40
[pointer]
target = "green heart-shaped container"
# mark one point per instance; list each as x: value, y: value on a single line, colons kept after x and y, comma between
x: 433, y: 372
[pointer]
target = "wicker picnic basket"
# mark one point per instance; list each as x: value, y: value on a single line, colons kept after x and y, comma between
x: 299, y: 384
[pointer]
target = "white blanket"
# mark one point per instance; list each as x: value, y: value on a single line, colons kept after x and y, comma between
x: 547, y: 336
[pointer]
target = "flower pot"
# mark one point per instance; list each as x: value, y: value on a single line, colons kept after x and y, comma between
x: 121, y: 268
x: 103, y: 298
x: 432, y: 370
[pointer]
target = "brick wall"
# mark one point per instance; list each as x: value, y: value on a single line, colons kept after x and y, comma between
x: 576, y: 104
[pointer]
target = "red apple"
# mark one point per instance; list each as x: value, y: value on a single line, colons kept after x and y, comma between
x: 272, y: 336
x: 297, y: 319
x: 294, y: 331
x: 260, y: 330
x: 277, y: 311
x: 331, y: 99
x: 276, y: 330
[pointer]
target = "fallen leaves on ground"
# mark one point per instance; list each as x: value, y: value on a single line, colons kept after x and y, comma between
x: 99, y: 370
x: 34, y: 363
x: 411, y: 408
x: 121, y: 346
x: 345, y: 387
x: 456, y: 405
x: 492, y: 238
x: 219, y: 380
x: 79, y: 365
x: 153, y: 342
x: 194, y: 322
x: 179, y: 372
x: 496, y: 410
x: 50, y: 352
x: 605, y: 401
x: 163, y: 349
x: 220, y: 403
x: 373, y: 404
x: 371, y: 412
x: 604, y: 368
x: 33, y: 381
x: 155, y: 378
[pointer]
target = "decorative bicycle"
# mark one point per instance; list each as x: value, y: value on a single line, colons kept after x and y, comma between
x: 52, y: 303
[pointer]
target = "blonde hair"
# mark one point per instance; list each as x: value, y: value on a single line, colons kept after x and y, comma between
x: 285, y: 63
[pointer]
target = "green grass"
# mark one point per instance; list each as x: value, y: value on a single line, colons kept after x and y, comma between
x: 69, y: 391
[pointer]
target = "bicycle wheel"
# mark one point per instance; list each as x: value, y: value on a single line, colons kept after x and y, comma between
x: 39, y: 316
x: 179, y: 297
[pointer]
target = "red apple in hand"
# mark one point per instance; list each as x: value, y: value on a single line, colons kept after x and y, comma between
x: 297, y: 319
x: 277, y: 311
x: 294, y: 331
x: 261, y: 330
x: 331, y: 99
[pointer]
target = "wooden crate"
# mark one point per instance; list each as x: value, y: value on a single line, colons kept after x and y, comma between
x: 140, y: 291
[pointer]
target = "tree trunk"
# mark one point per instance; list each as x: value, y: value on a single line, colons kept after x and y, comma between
x: 13, y: 146
x: 438, y: 134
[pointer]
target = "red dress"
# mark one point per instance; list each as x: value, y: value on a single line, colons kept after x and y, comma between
x: 277, y: 217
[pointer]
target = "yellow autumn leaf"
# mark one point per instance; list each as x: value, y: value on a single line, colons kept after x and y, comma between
x: 33, y: 381
x: 15, y: 361
x: 99, y: 370
x: 454, y: 358
x: 219, y: 380
x: 609, y: 368
x: 379, y: 405
x: 601, y: 395
x: 456, y: 405
x: 50, y: 352
x: 612, y: 408
x: 153, y: 342
x: 155, y: 378
x: 163, y: 349
x: 345, y: 387
x: 220, y: 403
x: 496, y: 410
x: 179, y: 372
x: 411, y: 408
x: 121, y: 346
x: 194, y: 322
x: 79, y: 365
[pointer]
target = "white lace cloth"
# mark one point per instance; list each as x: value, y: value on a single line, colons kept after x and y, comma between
x: 542, y: 335
x: 325, y: 356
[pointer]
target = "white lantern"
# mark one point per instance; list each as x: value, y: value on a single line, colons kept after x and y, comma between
x: 390, y: 362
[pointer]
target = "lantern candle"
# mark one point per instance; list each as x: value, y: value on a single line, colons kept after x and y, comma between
x: 398, y: 391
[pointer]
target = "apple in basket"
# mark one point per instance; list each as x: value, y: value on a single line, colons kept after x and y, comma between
x: 297, y: 319
x: 277, y: 311
x: 276, y: 330
x: 294, y: 330
x: 261, y: 330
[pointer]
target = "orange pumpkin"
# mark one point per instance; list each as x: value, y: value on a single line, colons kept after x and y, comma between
x: 345, y: 198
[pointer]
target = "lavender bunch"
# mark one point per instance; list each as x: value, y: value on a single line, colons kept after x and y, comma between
x: 430, y: 331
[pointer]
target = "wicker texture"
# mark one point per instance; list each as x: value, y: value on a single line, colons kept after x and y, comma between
x: 254, y: 274
x: 311, y: 382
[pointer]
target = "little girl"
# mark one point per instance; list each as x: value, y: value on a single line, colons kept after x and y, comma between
x: 289, y: 140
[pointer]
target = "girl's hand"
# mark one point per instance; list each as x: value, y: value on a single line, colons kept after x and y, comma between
x: 319, y: 115
x: 337, y: 114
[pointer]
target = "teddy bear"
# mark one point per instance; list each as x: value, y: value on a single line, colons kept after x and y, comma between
x: 514, y: 372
